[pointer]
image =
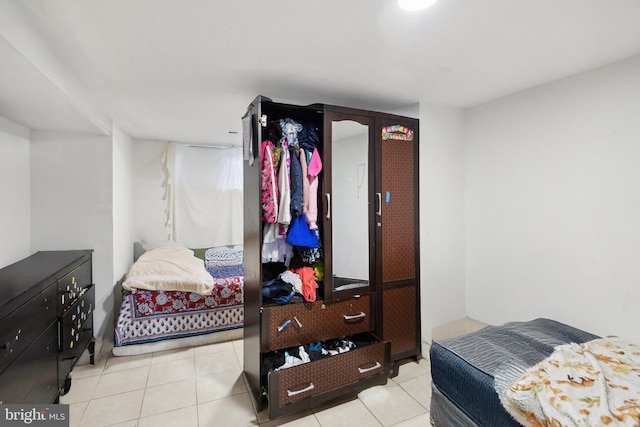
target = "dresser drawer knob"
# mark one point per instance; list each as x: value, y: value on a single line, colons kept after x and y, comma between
x: 376, y: 366
x: 293, y: 393
x: 355, y: 316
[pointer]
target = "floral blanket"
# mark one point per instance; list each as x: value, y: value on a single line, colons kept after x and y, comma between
x: 226, y: 291
x: 596, y: 383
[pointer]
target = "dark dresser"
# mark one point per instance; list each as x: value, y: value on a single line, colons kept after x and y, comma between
x: 46, y: 323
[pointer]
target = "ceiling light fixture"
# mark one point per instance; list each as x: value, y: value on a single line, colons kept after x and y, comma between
x: 414, y: 5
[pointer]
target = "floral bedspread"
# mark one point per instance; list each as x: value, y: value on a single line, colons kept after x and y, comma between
x: 226, y: 291
x: 596, y: 383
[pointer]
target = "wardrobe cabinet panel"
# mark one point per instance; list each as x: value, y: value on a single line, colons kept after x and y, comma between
x: 398, y: 257
x: 400, y: 320
x: 398, y: 210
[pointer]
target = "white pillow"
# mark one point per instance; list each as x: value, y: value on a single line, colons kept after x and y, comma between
x: 147, y: 245
x: 169, y: 269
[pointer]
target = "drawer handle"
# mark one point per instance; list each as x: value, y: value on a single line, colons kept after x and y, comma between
x: 376, y: 366
x: 355, y: 316
x: 293, y: 393
x: 328, y: 205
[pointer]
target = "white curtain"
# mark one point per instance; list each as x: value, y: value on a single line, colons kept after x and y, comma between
x: 204, y: 195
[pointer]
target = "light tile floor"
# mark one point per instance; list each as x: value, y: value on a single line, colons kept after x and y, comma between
x: 203, y: 386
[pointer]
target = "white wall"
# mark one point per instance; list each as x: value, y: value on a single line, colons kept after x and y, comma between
x: 148, y: 191
x: 71, y: 205
x: 442, y: 280
x: 553, y: 203
x: 123, y: 206
x: 15, y: 182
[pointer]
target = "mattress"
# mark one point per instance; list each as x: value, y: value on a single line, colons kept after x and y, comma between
x: 444, y: 413
x: 463, y: 368
x: 149, y: 316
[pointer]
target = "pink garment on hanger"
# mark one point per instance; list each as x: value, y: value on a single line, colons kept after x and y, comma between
x: 269, y: 184
x: 315, y: 164
x: 313, y: 170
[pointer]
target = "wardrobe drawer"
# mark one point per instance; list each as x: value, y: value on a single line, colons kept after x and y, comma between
x: 317, y: 321
x: 310, y: 384
x: 21, y: 327
x: 70, y: 286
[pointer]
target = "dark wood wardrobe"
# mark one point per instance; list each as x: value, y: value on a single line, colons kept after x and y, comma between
x: 368, y: 273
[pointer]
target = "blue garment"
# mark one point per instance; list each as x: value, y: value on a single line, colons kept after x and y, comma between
x: 300, y: 236
x: 315, y: 346
x: 277, y: 290
x: 296, y: 183
x: 308, y: 138
x: 284, y: 298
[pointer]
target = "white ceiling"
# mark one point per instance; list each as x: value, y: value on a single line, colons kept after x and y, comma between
x: 185, y: 70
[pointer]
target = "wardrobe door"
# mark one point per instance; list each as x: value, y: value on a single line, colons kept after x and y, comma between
x: 397, y: 222
x: 348, y: 212
x: 252, y: 135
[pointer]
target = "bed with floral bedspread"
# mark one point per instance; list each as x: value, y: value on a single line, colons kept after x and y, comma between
x: 170, y: 298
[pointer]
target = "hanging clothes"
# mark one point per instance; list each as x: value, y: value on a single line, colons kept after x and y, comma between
x: 296, y: 182
x: 284, y: 185
x: 312, y: 255
x: 308, y: 137
x: 274, y: 245
x: 269, y: 183
x: 295, y: 171
x: 313, y: 170
x: 290, y: 129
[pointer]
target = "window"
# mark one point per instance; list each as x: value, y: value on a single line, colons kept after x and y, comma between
x: 204, y: 195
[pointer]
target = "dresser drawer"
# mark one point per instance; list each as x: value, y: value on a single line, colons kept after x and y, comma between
x: 22, y: 326
x: 317, y: 321
x: 70, y: 286
x: 76, y: 324
x: 310, y: 384
x: 32, y: 377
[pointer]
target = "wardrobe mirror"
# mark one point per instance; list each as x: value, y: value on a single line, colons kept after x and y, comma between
x: 350, y: 204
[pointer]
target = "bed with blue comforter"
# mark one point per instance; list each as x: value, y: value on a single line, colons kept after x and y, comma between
x: 463, y: 368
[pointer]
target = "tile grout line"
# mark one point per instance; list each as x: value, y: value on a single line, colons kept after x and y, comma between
x: 369, y: 410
